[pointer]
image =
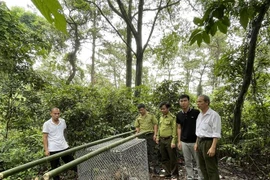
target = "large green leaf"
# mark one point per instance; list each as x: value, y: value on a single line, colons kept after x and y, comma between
x: 226, y: 21
x: 197, y: 21
x: 213, y: 29
x: 244, y: 17
x: 195, y: 35
x: 51, y: 10
x: 219, y: 12
x: 222, y: 27
x: 206, y: 37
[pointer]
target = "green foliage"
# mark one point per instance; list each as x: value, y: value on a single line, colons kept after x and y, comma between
x: 169, y: 91
x: 218, y: 15
x: 99, y: 113
x: 53, y: 12
x: 20, y: 148
x: 168, y: 49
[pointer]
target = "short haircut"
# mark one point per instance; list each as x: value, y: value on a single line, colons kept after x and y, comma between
x: 205, y: 98
x: 167, y: 104
x: 184, y: 96
x: 141, y: 106
x: 54, y: 108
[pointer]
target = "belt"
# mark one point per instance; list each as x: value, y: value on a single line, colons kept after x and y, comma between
x: 205, y: 139
x: 165, y: 138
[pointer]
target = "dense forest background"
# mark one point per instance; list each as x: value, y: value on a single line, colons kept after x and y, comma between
x: 111, y: 55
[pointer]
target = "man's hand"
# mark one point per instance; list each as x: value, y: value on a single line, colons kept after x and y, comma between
x: 195, y: 147
x: 211, y: 152
x: 154, y: 137
x: 179, y: 145
x: 157, y: 141
x: 173, y: 146
x: 47, y: 153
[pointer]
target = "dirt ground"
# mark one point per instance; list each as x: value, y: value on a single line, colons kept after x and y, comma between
x: 226, y: 172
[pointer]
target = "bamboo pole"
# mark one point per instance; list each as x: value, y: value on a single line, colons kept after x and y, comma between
x: 81, y: 159
x: 23, y: 167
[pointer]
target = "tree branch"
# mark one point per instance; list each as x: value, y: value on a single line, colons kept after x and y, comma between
x: 118, y: 33
x: 126, y: 18
x: 160, y: 8
x: 114, y: 9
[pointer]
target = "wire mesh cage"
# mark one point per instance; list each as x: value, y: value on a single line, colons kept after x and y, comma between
x: 127, y: 161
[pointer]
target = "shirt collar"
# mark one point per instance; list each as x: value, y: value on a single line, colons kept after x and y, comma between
x: 189, y: 109
x: 54, y: 123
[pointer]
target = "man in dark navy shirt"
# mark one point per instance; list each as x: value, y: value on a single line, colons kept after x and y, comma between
x: 186, y: 128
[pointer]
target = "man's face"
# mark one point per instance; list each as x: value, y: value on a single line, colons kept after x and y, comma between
x: 55, y: 114
x: 142, y: 111
x: 201, y: 103
x: 184, y: 103
x: 164, y: 110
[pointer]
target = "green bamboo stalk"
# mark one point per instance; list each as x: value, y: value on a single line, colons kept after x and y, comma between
x: 81, y: 159
x: 23, y: 167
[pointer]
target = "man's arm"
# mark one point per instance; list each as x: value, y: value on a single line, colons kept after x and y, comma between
x: 137, y: 130
x: 196, y: 145
x: 179, y: 136
x: 212, y: 151
x: 45, y: 144
x: 155, y: 132
x: 216, y: 134
x: 137, y: 125
x: 174, y: 133
x: 158, y: 132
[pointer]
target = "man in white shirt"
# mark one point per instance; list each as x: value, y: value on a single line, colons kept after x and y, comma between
x: 54, y: 140
x: 208, y: 131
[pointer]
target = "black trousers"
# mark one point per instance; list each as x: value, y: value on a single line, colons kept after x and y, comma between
x: 56, y: 162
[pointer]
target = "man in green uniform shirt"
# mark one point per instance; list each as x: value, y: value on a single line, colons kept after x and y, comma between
x: 167, y: 138
x: 146, y: 121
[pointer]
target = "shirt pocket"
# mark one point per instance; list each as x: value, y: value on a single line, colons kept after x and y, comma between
x: 167, y: 122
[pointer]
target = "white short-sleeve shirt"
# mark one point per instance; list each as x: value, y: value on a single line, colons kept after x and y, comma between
x: 56, y: 138
x: 208, y: 124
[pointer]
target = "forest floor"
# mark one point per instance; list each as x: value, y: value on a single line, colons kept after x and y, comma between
x: 226, y: 171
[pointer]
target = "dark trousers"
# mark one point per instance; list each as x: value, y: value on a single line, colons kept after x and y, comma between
x: 56, y: 162
x: 168, y: 157
x: 152, y: 153
x: 208, y: 165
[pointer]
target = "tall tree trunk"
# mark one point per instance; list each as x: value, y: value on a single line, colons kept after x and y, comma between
x: 139, y: 68
x: 139, y: 52
x: 72, y: 56
x: 115, y: 77
x: 128, y: 50
x: 256, y: 25
x: 199, y: 87
x: 94, y: 38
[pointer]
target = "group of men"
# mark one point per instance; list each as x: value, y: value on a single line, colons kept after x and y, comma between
x: 194, y: 132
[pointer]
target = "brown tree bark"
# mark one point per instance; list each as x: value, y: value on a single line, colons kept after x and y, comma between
x: 129, y: 50
x: 94, y: 38
x: 72, y: 56
x: 255, y: 28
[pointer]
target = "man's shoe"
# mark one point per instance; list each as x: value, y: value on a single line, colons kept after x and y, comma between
x: 174, y: 178
x: 161, y: 175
